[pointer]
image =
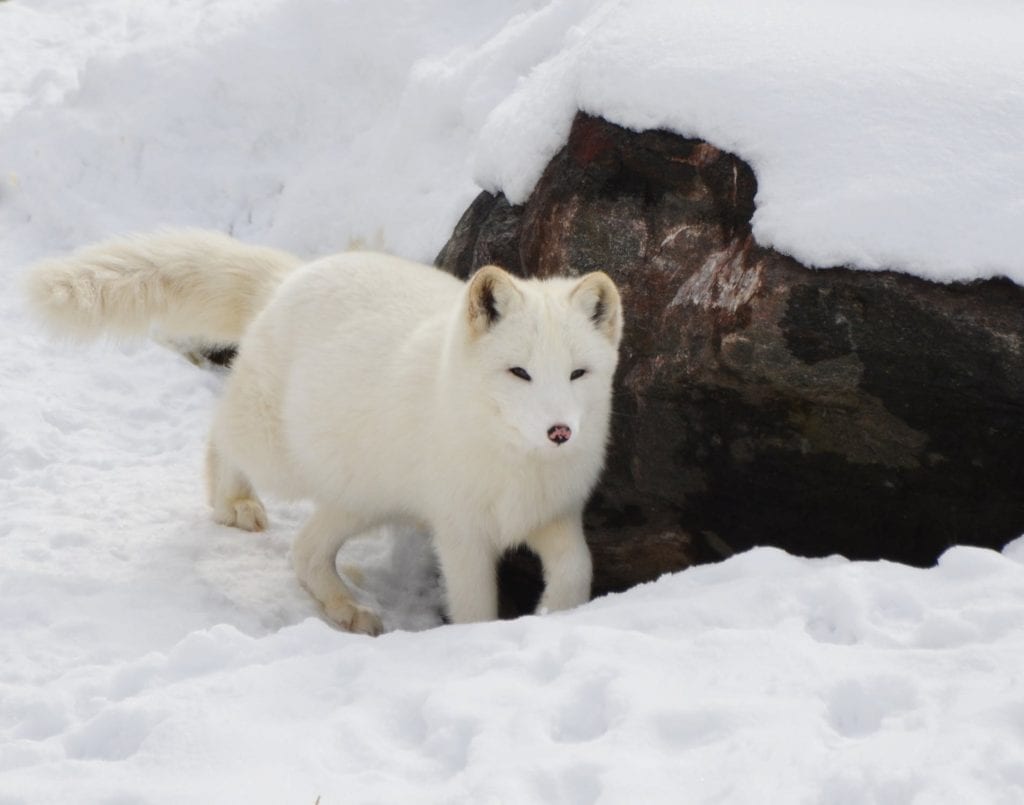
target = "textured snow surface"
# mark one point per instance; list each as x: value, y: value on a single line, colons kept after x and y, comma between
x: 148, y: 655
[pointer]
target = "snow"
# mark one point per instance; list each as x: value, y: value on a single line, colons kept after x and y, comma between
x: 150, y: 656
x: 883, y: 135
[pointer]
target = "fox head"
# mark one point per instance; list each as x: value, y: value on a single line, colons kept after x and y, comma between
x: 543, y: 353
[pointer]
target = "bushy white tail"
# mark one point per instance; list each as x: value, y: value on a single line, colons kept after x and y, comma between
x: 189, y: 283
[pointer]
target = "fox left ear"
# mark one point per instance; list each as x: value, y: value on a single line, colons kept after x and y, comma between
x: 598, y: 298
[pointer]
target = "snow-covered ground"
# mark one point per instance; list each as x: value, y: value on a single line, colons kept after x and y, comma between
x: 148, y: 655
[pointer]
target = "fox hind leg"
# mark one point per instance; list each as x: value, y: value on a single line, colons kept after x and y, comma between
x: 314, y: 557
x: 231, y: 495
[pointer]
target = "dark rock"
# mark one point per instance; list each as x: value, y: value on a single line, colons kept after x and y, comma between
x: 760, y: 402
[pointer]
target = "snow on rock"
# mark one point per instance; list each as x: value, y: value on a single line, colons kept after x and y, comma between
x: 148, y: 655
x: 883, y: 135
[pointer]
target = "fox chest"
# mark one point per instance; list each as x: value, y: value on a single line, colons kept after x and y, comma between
x: 509, y: 510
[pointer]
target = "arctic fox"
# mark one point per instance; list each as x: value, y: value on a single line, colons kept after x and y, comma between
x: 382, y: 389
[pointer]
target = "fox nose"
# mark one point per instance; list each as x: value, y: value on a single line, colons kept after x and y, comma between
x: 559, y: 434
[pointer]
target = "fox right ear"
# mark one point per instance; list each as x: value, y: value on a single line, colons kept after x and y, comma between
x: 492, y: 293
x: 598, y: 298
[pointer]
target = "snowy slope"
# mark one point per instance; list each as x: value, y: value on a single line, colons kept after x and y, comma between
x: 148, y: 655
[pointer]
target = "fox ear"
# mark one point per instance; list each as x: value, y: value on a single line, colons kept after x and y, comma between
x: 492, y: 294
x: 598, y: 298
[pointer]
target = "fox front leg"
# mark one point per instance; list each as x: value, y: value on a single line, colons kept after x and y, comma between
x: 565, y: 557
x: 469, y: 566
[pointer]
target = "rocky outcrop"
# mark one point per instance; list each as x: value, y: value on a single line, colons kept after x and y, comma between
x: 758, y: 402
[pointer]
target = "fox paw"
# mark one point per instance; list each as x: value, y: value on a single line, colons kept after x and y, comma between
x: 353, y: 618
x: 245, y: 513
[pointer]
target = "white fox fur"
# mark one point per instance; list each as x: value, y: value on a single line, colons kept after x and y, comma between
x: 381, y: 389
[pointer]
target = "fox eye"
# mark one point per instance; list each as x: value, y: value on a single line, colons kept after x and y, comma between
x: 521, y: 373
x: 577, y: 374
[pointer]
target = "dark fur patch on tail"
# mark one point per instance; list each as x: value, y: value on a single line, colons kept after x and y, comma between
x: 220, y: 356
